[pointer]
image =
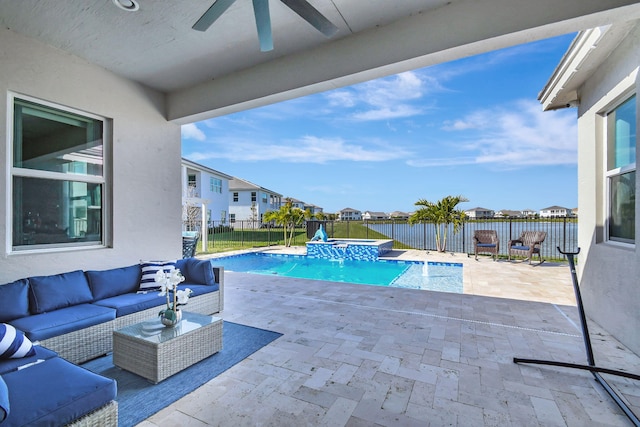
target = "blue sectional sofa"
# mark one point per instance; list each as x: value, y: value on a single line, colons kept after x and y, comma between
x: 44, y: 389
x: 70, y: 318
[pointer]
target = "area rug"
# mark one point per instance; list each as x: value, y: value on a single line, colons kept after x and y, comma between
x: 138, y: 399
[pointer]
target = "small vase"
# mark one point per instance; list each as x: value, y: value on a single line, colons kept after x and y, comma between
x: 169, y: 323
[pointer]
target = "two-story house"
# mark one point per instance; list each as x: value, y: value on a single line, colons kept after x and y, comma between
x: 249, y: 201
x: 370, y: 215
x: 205, y: 189
x: 477, y: 213
x: 349, y: 214
x: 508, y: 213
x: 555, y: 211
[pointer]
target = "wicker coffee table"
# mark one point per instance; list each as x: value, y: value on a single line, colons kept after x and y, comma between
x: 156, y: 352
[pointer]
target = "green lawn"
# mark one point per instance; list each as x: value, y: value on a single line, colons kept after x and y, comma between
x: 229, y: 240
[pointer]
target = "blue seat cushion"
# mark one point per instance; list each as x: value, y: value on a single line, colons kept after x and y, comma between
x: 64, y: 393
x: 116, y: 281
x: 15, y: 300
x: 197, y: 271
x: 48, y: 293
x: 198, y: 289
x: 132, y: 302
x: 486, y: 245
x: 520, y: 247
x: 41, y: 353
x: 63, y: 321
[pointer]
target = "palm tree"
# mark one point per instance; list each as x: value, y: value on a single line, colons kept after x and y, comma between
x: 441, y: 214
x: 288, y: 217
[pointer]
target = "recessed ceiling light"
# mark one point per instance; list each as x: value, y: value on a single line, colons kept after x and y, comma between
x: 128, y: 5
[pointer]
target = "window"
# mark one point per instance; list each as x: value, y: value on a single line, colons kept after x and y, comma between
x: 232, y: 218
x: 58, y: 184
x: 621, y: 172
x: 191, y: 180
x: 215, y: 185
x: 235, y: 197
x: 264, y: 198
x: 253, y: 196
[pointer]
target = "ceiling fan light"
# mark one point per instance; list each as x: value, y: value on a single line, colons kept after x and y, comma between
x: 128, y: 5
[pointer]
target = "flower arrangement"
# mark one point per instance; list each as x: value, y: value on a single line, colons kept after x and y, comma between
x: 168, y: 281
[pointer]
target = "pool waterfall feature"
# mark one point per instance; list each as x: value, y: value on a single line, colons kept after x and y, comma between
x: 349, y: 249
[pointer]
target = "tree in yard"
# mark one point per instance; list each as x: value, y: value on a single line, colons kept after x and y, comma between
x: 321, y: 216
x: 191, y: 210
x: 441, y: 214
x: 288, y: 217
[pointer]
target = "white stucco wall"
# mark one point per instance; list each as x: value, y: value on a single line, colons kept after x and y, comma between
x: 217, y: 202
x: 609, y: 274
x: 145, y: 172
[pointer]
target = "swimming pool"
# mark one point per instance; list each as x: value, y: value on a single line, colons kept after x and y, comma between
x: 435, y: 276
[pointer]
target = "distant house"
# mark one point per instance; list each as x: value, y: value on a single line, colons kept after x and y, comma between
x: 314, y: 209
x: 305, y: 206
x: 249, y: 202
x: 529, y: 213
x: 349, y: 214
x: 399, y: 215
x: 369, y: 215
x: 477, y: 213
x: 506, y: 213
x: 205, y: 188
x: 555, y: 211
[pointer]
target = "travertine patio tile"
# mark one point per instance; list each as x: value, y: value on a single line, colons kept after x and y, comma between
x: 317, y: 397
x: 344, y: 373
x: 339, y: 413
x: 547, y: 411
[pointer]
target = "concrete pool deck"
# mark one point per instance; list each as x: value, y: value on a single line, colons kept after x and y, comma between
x: 355, y: 355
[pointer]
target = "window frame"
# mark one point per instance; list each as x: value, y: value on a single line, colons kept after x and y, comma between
x: 104, y: 180
x: 614, y: 172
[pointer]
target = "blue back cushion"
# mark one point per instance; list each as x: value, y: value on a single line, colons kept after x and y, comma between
x: 48, y: 293
x: 15, y: 300
x: 197, y: 271
x: 117, y: 281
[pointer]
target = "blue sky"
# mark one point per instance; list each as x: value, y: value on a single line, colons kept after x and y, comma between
x: 472, y: 127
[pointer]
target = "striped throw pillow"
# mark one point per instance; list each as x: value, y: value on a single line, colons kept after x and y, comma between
x: 149, y: 270
x: 13, y: 343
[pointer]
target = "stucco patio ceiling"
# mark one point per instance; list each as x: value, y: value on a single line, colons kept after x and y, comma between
x: 222, y: 70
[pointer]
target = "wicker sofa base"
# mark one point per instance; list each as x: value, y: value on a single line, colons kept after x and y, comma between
x: 95, y: 341
x: 104, y: 416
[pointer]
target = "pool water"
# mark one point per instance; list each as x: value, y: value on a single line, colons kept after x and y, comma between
x: 443, y: 277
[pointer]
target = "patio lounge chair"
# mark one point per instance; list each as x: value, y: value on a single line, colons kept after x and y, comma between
x: 527, y: 245
x: 189, y: 243
x: 486, y: 241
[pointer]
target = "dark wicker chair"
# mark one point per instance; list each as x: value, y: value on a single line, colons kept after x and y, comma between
x: 486, y: 241
x: 527, y: 245
x: 189, y: 244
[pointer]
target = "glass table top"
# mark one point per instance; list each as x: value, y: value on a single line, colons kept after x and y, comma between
x: 154, y: 331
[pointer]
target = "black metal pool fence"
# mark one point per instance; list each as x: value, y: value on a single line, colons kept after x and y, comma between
x: 561, y: 232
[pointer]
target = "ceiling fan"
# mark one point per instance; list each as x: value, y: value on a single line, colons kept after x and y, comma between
x: 263, y: 20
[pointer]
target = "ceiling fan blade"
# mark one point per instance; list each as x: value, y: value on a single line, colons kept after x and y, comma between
x: 312, y: 16
x: 263, y: 24
x: 213, y: 13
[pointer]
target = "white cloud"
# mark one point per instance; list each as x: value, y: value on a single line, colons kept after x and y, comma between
x: 512, y: 137
x: 387, y: 98
x: 191, y: 131
x: 308, y: 149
